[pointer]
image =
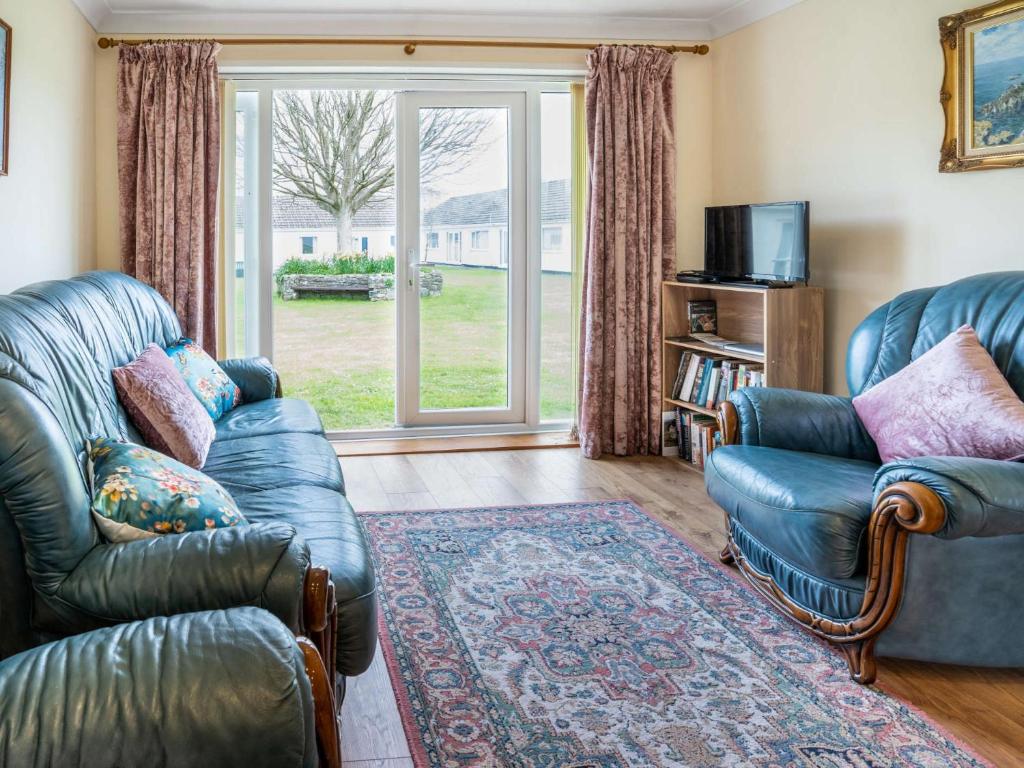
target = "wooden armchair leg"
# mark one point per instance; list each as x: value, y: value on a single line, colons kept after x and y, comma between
x: 324, y: 711
x: 860, y: 656
x: 726, y: 556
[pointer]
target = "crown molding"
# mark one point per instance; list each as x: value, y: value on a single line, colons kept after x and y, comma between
x: 583, y: 27
x: 745, y: 13
x: 561, y: 27
x: 96, y: 12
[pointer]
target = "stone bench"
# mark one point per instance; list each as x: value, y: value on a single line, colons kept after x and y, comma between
x: 375, y: 287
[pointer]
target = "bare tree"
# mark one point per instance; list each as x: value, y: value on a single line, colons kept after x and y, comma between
x: 337, y: 148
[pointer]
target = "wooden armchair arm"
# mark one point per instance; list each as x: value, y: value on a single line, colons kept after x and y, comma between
x: 320, y: 616
x: 900, y: 510
x: 328, y: 739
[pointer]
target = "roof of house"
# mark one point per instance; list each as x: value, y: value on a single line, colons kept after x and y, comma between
x: 298, y: 213
x: 479, y: 209
x: 491, y: 208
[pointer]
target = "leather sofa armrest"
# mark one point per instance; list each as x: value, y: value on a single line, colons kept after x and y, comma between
x: 255, y: 376
x: 227, y: 688
x: 800, y: 421
x: 262, y: 564
x: 982, y: 497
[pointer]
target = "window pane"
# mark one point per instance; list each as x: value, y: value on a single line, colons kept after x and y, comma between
x: 556, y: 386
x: 334, y: 260
x: 464, y: 196
x: 246, y: 231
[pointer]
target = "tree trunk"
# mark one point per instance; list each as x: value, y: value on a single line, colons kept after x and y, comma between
x: 343, y: 227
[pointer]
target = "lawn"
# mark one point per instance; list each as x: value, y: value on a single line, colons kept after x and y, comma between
x: 340, y: 353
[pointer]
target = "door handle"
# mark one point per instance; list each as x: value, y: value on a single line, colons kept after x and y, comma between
x: 413, y: 260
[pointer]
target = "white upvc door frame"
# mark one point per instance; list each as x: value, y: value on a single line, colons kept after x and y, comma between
x: 410, y: 410
x: 525, y: 299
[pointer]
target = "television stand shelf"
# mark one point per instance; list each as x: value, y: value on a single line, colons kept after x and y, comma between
x: 788, y: 322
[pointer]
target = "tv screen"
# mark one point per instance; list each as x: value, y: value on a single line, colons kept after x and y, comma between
x: 757, y: 242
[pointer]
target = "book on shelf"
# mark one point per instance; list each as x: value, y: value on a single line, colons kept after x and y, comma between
x: 706, y: 380
x: 703, y: 316
x: 683, y: 430
x: 698, y: 436
x: 677, y: 385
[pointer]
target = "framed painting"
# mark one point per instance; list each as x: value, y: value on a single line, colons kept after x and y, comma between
x: 983, y: 88
x: 5, y: 95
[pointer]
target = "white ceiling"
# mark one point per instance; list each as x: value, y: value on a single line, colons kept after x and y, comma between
x: 613, y: 19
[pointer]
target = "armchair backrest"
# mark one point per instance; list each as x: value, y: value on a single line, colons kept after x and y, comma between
x: 59, y: 342
x: 908, y: 326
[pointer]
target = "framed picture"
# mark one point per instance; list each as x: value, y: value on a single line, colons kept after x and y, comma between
x: 983, y: 88
x: 5, y: 95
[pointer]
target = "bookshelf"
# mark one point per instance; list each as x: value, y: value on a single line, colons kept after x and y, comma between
x: 786, y: 321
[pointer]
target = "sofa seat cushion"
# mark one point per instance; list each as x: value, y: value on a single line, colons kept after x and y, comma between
x: 810, y: 509
x: 252, y: 464
x: 269, y: 417
x: 325, y: 521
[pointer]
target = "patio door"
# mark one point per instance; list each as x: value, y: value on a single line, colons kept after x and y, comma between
x: 462, y: 361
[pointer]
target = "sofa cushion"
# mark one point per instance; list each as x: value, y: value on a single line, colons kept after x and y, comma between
x: 207, y: 380
x: 138, y: 493
x: 252, y: 464
x: 951, y: 401
x: 163, y: 408
x: 269, y: 417
x: 326, y: 522
x: 809, y: 509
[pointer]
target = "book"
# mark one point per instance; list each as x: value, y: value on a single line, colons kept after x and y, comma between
x: 713, y: 382
x: 697, y: 379
x: 680, y: 374
x: 688, y: 381
x: 683, y: 433
x: 699, y: 425
x: 685, y: 449
x: 724, y: 383
x: 703, y: 316
x: 706, y: 386
x: 671, y: 438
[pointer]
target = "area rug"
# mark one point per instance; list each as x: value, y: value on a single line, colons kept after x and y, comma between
x: 589, y: 636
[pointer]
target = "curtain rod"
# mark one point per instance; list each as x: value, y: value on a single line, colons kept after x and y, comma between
x: 409, y: 46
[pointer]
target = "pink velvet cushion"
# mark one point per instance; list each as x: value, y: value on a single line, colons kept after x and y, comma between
x: 951, y: 401
x: 163, y: 408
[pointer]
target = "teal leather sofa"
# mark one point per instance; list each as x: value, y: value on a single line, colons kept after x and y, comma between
x: 219, y: 688
x: 921, y: 558
x: 303, y: 557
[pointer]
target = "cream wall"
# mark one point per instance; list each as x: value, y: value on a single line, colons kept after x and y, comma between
x: 47, y: 210
x: 693, y: 117
x: 837, y: 103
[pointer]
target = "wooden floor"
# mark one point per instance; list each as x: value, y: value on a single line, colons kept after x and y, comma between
x: 984, y: 708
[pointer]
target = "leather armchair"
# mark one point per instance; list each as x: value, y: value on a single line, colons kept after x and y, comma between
x: 303, y: 557
x: 225, y: 688
x: 920, y: 558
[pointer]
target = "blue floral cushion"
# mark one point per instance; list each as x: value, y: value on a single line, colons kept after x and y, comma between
x: 207, y: 380
x: 138, y: 493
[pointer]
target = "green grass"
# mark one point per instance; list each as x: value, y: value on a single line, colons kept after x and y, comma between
x: 340, y: 353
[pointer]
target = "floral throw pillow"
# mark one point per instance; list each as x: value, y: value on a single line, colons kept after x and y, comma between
x: 138, y: 493
x: 207, y: 380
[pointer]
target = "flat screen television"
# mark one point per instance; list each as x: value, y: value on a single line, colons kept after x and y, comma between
x: 757, y: 242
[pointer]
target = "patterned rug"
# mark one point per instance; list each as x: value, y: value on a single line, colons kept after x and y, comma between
x: 589, y: 636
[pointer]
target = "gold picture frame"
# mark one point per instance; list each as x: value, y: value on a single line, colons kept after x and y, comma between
x: 5, y: 95
x: 982, y: 92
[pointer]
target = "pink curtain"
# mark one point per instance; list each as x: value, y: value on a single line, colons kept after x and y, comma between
x: 630, y: 246
x: 168, y: 152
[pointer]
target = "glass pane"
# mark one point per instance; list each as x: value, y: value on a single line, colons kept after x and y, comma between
x: 464, y: 225
x: 246, y: 231
x: 556, y: 386
x: 334, y: 253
